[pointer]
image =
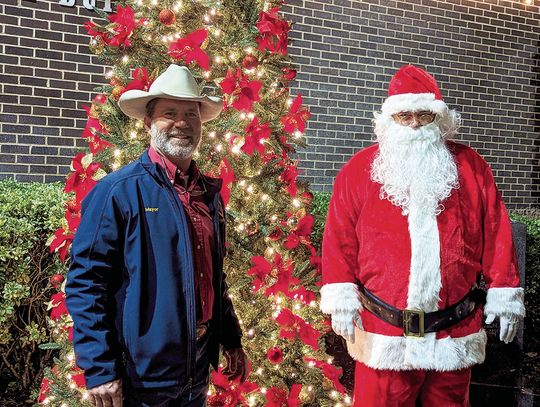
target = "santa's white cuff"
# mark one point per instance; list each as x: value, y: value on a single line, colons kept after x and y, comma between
x: 340, y: 297
x: 505, y: 301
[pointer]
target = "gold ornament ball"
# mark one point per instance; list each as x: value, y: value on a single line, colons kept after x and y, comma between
x: 96, y: 45
x: 117, y: 91
x: 292, y: 221
x: 307, y: 396
x: 167, y: 16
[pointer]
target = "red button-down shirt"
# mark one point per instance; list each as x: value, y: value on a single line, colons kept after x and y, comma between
x: 192, y: 193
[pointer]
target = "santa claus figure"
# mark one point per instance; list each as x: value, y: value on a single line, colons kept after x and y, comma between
x: 414, y: 223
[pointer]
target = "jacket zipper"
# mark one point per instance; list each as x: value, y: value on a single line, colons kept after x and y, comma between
x: 190, y: 287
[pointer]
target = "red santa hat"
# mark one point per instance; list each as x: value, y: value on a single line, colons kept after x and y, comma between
x: 413, y: 89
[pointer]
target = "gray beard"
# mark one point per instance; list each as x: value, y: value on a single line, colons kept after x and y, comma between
x: 414, y: 167
x: 180, y: 149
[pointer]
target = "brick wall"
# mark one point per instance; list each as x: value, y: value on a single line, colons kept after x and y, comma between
x: 47, y: 74
x: 485, y: 55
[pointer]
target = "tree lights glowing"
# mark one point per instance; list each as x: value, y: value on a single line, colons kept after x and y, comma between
x: 238, y: 50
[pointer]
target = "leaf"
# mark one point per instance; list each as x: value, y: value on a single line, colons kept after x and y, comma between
x: 49, y: 345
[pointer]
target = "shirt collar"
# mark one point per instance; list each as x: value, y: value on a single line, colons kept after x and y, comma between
x: 172, y: 170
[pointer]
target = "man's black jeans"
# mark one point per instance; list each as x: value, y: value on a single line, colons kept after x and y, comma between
x: 175, y: 396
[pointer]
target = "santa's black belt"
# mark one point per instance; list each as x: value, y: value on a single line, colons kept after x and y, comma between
x: 417, y: 322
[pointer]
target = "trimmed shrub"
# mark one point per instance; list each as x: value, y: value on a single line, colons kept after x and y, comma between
x: 319, y: 209
x: 531, y: 367
x: 29, y: 215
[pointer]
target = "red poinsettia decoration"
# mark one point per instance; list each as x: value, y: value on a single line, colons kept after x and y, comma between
x: 260, y: 270
x: 58, y: 305
x: 301, y: 233
x: 231, y: 393
x: 227, y: 176
x: 303, y: 294
x: 73, y: 206
x: 282, y: 273
x: 90, y: 29
x: 255, y: 136
x: 275, y: 235
x: 331, y: 372
x: 284, y: 279
x: 296, y: 118
x: 273, y: 32
x: 124, y: 24
x: 293, y: 326
x: 289, y: 176
x: 63, y: 237
x: 91, y: 130
x: 277, y: 397
x: 78, y: 378
x: 242, y: 92
x: 140, y: 81
x: 44, y: 390
x: 189, y: 49
x: 315, y: 260
x: 288, y: 74
x: 84, y: 176
x: 274, y: 355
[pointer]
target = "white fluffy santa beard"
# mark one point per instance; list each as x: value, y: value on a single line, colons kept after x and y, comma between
x: 417, y: 173
x: 414, y: 166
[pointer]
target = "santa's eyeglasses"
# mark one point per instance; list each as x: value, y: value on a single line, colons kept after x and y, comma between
x: 408, y: 118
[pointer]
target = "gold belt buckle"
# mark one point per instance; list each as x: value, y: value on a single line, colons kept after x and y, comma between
x: 407, y: 315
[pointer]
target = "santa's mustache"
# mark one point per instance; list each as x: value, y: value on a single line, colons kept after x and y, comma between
x: 413, y: 165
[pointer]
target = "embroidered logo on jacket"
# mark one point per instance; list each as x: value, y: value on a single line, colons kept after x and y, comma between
x: 151, y: 209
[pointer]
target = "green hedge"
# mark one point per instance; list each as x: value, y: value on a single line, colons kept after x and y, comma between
x: 319, y: 208
x: 29, y: 214
x: 531, y: 366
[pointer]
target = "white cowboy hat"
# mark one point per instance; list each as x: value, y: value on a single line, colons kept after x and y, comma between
x: 177, y: 83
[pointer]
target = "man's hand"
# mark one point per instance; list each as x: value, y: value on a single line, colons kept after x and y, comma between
x: 237, y: 363
x: 342, y: 324
x: 508, y: 325
x: 106, y: 395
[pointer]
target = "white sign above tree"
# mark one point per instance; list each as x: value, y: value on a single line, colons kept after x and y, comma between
x: 89, y: 4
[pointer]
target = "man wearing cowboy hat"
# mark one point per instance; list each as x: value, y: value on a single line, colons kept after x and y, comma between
x: 146, y: 288
x: 414, y: 221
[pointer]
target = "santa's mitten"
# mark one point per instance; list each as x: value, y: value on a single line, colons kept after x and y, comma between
x: 342, y: 301
x: 342, y: 324
x: 506, y: 303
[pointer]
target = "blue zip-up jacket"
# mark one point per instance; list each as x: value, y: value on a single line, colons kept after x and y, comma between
x: 130, y: 288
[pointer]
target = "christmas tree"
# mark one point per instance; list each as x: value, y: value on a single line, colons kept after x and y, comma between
x: 236, y: 49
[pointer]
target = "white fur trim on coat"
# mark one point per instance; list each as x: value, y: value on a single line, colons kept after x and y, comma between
x: 408, y: 353
x: 340, y: 297
x: 506, y: 301
x: 407, y: 102
x: 425, y: 275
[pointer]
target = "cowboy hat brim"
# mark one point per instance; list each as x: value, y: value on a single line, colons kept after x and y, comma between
x: 133, y: 103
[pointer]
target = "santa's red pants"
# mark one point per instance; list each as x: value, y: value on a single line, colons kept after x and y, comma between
x: 389, y: 388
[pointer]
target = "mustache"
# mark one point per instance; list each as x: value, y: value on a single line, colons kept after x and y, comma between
x: 176, y: 133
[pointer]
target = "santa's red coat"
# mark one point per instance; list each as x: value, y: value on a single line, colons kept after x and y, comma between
x: 430, y: 262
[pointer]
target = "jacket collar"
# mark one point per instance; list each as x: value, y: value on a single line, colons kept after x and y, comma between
x: 213, y: 185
